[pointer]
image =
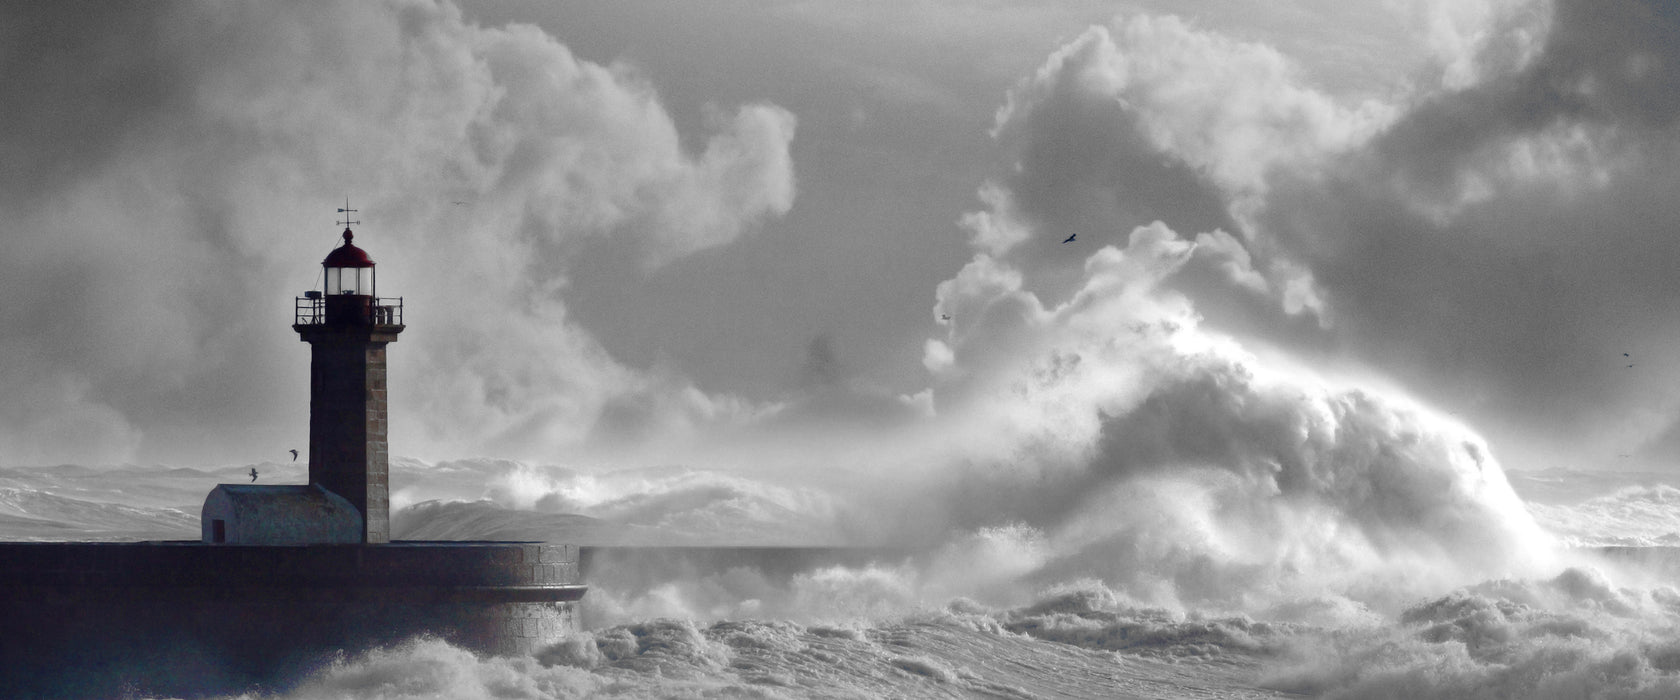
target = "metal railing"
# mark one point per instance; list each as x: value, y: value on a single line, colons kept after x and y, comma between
x: 311, y: 310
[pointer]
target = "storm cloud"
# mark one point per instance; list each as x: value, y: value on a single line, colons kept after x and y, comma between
x: 1495, y: 236
x: 170, y: 186
x: 1504, y: 244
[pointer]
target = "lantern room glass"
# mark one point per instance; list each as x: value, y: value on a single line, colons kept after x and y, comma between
x: 350, y: 280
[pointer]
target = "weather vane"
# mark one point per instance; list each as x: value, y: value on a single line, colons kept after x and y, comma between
x: 347, y: 211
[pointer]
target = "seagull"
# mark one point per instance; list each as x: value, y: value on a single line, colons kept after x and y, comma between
x: 459, y: 203
x: 294, y: 455
x: 944, y: 317
x: 1070, y: 238
x: 253, y: 475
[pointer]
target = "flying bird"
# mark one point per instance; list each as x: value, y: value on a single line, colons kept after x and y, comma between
x: 459, y: 203
x: 253, y: 475
x: 944, y: 317
x: 1070, y: 238
x: 294, y: 455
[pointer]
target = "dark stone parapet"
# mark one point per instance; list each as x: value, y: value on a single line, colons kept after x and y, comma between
x: 194, y: 564
x: 190, y: 619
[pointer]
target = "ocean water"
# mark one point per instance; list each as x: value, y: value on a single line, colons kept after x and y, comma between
x: 708, y: 583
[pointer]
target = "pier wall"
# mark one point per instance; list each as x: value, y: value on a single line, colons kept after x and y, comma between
x: 189, y: 619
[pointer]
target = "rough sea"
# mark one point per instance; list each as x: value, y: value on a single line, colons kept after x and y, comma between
x: 714, y: 584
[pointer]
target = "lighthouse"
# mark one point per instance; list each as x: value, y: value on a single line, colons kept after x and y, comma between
x: 347, y: 326
x: 283, y: 574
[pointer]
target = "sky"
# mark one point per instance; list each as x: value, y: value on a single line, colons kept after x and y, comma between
x: 652, y: 232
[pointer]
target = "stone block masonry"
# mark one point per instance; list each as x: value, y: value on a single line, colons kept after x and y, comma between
x: 349, y: 424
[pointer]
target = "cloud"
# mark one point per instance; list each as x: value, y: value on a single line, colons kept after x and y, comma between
x: 1467, y: 41
x: 62, y: 425
x: 1152, y: 119
x: 1494, y: 235
x: 174, y: 176
x: 1504, y: 242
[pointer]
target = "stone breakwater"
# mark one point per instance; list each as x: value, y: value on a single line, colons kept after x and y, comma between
x: 187, y: 618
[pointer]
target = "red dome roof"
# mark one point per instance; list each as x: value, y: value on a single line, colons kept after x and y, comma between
x: 348, y: 255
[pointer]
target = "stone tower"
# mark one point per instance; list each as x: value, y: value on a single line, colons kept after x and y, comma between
x: 347, y: 327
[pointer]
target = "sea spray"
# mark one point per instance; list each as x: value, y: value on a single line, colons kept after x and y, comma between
x: 1026, y: 623
x: 1575, y: 635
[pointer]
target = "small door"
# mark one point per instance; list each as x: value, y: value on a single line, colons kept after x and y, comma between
x: 218, y: 531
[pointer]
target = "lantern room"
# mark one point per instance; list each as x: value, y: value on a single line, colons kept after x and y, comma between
x: 349, y: 269
x: 348, y: 295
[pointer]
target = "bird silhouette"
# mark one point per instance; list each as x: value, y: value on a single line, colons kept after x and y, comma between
x: 294, y: 455
x: 1070, y: 238
x: 944, y: 317
x: 253, y: 475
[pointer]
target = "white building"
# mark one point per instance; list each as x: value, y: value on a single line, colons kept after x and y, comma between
x: 286, y: 514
